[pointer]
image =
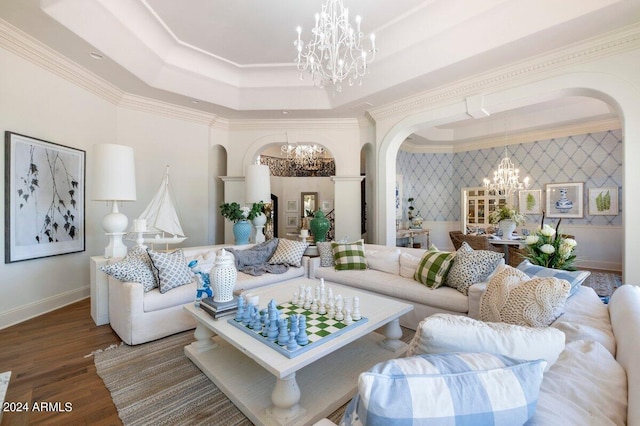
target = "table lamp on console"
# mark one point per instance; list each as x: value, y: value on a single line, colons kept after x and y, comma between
x: 258, y: 190
x: 114, y: 179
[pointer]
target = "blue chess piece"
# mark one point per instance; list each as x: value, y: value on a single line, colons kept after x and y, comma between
x: 240, y: 312
x: 283, y: 337
x: 293, y: 324
x: 246, y: 318
x: 302, y: 338
x: 292, y: 345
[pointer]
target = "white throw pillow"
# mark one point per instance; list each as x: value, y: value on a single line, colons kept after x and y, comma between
x: 513, y: 298
x: 408, y: 265
x: 384, y: 260
x: 442, y: 333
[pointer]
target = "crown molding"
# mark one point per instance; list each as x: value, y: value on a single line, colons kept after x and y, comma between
x: 21, y: 44
x: 516, y: 138
x: 531, y: 69
x: 141, y: 103
x: 290, y: 124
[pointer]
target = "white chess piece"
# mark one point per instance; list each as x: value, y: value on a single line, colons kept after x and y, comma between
x: 314, y: 306
x: 307, y: 298
x: 322, y: 307
x: 348, y: 320
x: 331, y: 309
x: 294, y: 301
x: 339, y: 306
x: 356, y: 309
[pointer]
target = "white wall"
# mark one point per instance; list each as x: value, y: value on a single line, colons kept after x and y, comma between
x: 37, y: 103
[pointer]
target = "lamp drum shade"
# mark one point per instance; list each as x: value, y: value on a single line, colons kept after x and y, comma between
x: 114, y: 173
x: 257, y: 184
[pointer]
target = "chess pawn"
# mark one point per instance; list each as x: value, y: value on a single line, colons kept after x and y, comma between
x: 356, y: 315
x: 294, y: 301
x: 314, y: 306
x: 339, y: 308
x: 255, y: 321
x: 302, y: 338
x: 322, y: 307
x: 292, y: 345
x: 283, y: 337
x: 348, y: 320
x: 331, y: 309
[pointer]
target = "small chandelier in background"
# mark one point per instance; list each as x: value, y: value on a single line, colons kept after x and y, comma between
x: 307, y: 157
x: 506, y: 179
x: 336, y: 52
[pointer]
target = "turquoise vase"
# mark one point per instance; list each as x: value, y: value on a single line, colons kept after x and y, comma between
x: 242, y: 232
x: 319, y: 226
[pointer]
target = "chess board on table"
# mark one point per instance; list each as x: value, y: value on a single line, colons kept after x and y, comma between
x: 320, y: 329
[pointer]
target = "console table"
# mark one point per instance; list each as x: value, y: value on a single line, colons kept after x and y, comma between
x: 412, y: 233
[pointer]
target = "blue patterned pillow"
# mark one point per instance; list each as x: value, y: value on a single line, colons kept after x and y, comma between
x: 575, y: 278
x: 172, y: 269
x: 135, y: 267
x: 451, y: 388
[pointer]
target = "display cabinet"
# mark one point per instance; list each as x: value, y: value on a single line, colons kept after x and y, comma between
x: 477, y: 203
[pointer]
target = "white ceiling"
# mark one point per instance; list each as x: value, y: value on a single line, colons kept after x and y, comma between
x: 235, y: 58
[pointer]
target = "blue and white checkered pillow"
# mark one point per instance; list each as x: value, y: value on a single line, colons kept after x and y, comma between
x: 575, y: 278
x: 451, y: 388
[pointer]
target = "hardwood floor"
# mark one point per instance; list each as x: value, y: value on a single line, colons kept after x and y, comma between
x: 46, y: 356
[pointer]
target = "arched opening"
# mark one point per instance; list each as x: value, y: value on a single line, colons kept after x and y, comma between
x: 615, y: 93
x: 217, y: 167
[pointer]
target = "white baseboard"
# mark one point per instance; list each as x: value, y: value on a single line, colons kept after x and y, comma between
x: 32, y: 310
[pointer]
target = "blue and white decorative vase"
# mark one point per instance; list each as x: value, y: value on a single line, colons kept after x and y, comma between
x: 564, y: 204
x: 242, y: 232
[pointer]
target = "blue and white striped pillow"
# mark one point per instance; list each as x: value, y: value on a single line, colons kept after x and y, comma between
x: 575, y: 278
x: 453, y: 388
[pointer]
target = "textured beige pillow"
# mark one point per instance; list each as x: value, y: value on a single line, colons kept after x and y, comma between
x: 513, y: 298
x: 442, y: 333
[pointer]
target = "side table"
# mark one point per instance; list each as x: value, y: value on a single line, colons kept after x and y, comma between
x: 99, y: 291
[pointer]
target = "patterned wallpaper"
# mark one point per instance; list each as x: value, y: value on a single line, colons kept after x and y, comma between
x: 435, y: 180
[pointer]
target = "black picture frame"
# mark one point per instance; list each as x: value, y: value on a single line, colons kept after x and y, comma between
x: 44, y: 198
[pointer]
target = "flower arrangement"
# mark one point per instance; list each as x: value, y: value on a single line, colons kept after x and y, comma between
x: 549, y: 249
x: 505, y: 212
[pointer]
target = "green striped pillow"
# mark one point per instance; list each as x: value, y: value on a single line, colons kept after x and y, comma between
x: 349, y: 256
x: 433, y: 268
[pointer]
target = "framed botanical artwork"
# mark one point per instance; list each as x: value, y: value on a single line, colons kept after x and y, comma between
x: 44, y: 198
x: 292, y: 221
x: 565, y: 200
x: 530, y: 201
x: 292, y: 205
x: 603, y: 201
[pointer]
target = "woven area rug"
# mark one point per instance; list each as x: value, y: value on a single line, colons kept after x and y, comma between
x: 155, y: 383
x: 604, y: 283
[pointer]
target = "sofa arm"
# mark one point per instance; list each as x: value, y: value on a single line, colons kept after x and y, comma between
x: 623, y: 310
x: 475, y: 294
x: 125, y: 304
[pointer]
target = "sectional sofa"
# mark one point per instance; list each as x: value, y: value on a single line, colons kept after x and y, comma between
x: 139, y: 317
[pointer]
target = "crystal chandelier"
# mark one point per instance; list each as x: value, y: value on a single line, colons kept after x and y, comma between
x: 336, y: 52
x: 506, y: 179
x: 305, y: 157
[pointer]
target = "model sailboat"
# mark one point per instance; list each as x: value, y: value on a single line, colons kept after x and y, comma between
x: 162, y: 218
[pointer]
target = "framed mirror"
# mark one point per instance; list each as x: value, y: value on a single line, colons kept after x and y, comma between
x: 309, y: 203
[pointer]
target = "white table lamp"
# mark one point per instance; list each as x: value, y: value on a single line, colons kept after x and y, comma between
x: 258, y: 189
x: 114, y: 179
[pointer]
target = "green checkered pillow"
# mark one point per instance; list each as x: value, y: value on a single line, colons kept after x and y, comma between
x: 349, y: 256
x: 433, y: 268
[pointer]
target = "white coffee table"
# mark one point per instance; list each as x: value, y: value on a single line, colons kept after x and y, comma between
x: 270, y: 388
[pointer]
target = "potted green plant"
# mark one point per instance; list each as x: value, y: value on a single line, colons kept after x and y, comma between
x: 238, y: 215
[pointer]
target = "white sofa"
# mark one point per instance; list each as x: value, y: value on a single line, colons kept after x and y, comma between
x: 596, y: 378
x: 398, y: 283
x: 139, y: 317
